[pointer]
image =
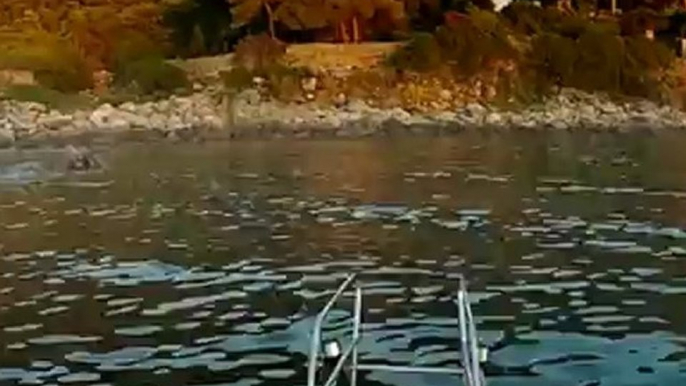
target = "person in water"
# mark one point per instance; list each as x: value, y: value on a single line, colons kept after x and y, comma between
x: 81, y: 160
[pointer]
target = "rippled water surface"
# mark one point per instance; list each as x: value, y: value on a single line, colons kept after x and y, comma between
x: 204, y: 264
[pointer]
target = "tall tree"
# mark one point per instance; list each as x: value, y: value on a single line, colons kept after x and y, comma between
x: 245, y: 11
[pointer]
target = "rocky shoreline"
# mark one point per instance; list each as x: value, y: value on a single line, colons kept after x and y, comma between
x: 209, y: 114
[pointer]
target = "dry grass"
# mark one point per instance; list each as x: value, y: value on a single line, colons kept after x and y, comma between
x: 316, y: 57
x: 338, y: 57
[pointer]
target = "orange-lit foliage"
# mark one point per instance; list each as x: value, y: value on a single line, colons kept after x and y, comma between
x: 95, y: 28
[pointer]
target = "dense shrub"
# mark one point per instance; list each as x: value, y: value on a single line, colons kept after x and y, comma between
x: 552, y: 59
x: 525, y: 17
x: 465, y: 43
x: 644, y: 65
x: 528, y: 19
x: 200, y: 27
x: 257, y: 53
x: 475, y: 43
x: 132, y: 47
x: 600, y: 61
x: 150, y: 74
x: 55, y: 63
x: 421, y: 53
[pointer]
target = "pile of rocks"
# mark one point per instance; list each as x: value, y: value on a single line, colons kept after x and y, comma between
x: 573, y: 109
x: 26, y: 120
x: 570, y: 109
x: 249, y: 113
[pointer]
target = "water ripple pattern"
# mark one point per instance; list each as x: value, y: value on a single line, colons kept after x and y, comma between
x: 205, y: 264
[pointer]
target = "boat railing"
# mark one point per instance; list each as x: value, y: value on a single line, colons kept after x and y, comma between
x: 470, y: 359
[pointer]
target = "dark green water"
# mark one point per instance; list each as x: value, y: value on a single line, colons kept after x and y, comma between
x: 204, y: 264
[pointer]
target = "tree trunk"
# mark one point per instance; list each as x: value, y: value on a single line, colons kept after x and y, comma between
x: 356, y: 30
x: 270, y: 19
x: 344, y: 32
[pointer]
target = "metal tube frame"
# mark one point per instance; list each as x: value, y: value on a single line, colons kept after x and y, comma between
x: 315, y: 344
x: 470, y: 371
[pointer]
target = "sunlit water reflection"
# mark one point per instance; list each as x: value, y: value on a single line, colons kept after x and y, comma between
x: 204, y: 264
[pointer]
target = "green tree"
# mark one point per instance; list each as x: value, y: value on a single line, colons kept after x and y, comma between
x: 199, y: 27
x: 245, y: 11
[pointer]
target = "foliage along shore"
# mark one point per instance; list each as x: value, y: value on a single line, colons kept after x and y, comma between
x: 461, y: 65
x: 205, y: 115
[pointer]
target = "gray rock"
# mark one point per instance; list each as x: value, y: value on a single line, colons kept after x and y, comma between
x: 128, y: 107
x: 175, y: 123
x: 494, y: 118
x: 134, y: 120
x: 559, y: 125
x: 250, y: 97
x: 161, y: 106
x: 340, y: 100
x: 397, y: 114
x: 445, y: 117
x: 309, y: 84
x: 35, y: 107
x: 54, y: 120
x: 213, y: 122
x: 146, y: 109
x: 332, y: 121
x: 118, y: 124
x: 475, y: 110
x: 100, y: 117
x: 357, y: 106
x: 80, y: 125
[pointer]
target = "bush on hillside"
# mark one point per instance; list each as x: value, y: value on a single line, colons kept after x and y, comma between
x: 467, y: 44
x: 525, y: 17
x: 151, y: 74
x: 528, y: 19
x: 644, y: 65
x: 132, y: 47
x: 422, y: 53
x: 600, y: 61
x: 552, y: 59
x: 55, y: 63
x: 475, y: 43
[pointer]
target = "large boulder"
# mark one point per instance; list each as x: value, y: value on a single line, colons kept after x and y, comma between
x: 158, y: 121
x: 102, y: 116
x: 175, y: 123
x: 134, y: 120
x: 250, y: 97
x: 54, y: 120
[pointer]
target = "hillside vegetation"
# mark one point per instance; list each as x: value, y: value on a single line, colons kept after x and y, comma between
x: 464, y: 46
